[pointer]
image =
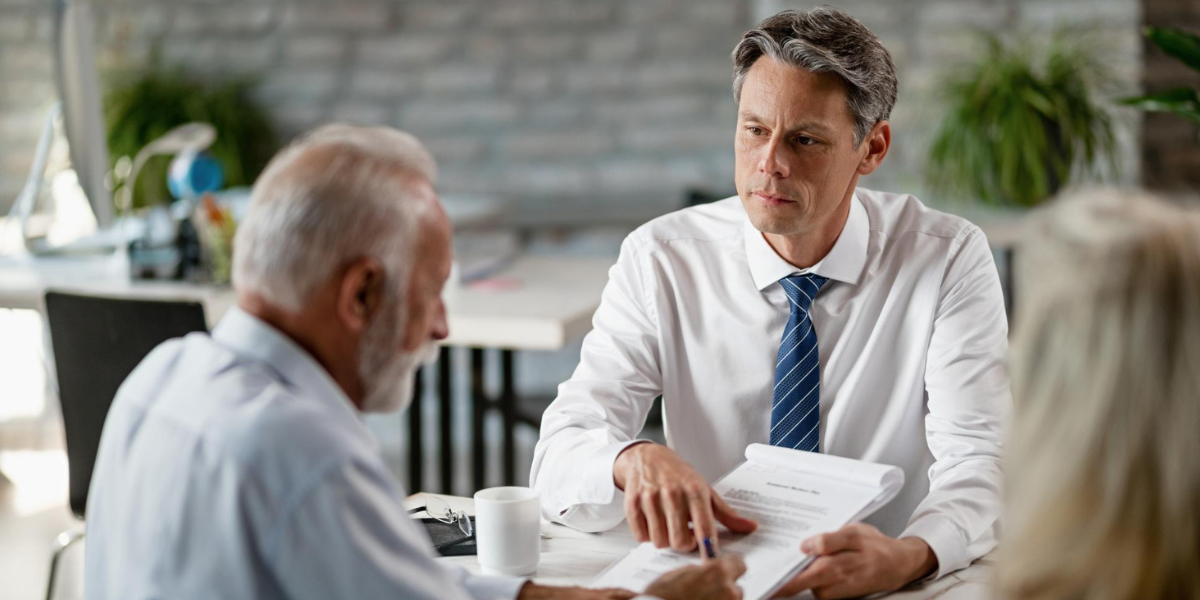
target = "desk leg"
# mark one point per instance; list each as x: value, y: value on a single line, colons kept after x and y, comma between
x: 508, y: 408
x: 445, y: 398
x: 479, y: 402
x: 414, y: 435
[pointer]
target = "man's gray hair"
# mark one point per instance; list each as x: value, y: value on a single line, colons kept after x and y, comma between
x: 825, y: 40
x: 338, y: 194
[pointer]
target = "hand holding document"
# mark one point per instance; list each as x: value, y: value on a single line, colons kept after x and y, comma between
x: 792, y: 495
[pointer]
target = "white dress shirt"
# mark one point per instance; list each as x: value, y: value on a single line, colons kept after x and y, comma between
x: 912, y: 339
x: 233, y: 466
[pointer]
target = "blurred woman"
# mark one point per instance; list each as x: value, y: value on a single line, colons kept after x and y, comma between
x: 1104, y: 458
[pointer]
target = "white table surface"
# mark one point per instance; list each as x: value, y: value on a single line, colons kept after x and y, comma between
x: 571, y: 557
x: 25, y: 280
x: 546, y: 303
x: 542, y: 302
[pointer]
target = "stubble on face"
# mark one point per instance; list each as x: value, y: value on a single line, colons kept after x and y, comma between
x: 390, y: 377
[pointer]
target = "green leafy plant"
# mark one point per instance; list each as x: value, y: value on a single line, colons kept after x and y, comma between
x: 1182, y: 101
x: 141, y: 106
x: 1023, y: 120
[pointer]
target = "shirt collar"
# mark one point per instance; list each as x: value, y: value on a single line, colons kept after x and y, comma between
x: 253, y: 339
x: 844, y: 262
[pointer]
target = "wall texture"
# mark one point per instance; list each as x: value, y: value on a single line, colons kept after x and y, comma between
x: 571, y: 110
x: 1171, y: 148
x: 930, y: 38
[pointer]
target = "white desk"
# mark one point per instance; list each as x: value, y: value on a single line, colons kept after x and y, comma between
x: 549, y: 306
x: 547, y: 303
x: 570, y: 557
x: 25, y: 281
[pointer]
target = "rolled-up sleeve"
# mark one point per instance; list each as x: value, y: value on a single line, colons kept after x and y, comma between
x: 601, y: 409
x: 347, y: 536
x: 969, y: 400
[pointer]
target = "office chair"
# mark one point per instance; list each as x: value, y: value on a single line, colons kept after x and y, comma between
x: 97, y: 342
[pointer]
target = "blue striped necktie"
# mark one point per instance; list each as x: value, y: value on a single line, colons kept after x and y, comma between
x: 795, y: 406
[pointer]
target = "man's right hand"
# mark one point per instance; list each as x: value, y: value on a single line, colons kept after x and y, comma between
x: 663, y: 494
x: 713, y: 580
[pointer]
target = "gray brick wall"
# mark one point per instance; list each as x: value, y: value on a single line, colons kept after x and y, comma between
x: 571, y: 110
x: 927, y: 38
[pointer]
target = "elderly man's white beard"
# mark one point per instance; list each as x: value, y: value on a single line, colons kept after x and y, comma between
x: 389, y: 382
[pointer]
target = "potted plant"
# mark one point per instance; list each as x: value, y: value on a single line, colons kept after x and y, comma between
x: 140, y: 106
x: 1183, y: 101
x: 1022, y: 121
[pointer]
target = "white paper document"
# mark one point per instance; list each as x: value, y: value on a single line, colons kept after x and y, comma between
x: 793, y: 495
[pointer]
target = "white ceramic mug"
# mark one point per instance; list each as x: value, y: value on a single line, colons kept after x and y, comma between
x: 508, y: 530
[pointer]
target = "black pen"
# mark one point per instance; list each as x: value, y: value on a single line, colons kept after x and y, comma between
x: 708, y: 548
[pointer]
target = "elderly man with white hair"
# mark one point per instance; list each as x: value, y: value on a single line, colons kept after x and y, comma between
x: 235, y: 465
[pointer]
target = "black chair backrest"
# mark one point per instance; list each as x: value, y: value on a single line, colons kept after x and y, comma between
x: 97, y: 343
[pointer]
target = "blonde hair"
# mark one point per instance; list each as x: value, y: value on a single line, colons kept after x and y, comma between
x: 1104, y: 458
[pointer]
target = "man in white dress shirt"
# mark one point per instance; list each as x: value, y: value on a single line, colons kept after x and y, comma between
x: 236, y: 465
x: 806, y: 312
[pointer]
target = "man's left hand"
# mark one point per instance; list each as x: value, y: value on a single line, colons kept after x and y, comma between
x: 858, y: 560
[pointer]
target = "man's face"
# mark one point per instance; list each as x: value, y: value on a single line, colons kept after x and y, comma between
x: 397, y: 345
x: 796, y: 162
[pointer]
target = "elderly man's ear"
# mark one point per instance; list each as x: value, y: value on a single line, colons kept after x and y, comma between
x: 360, y: 294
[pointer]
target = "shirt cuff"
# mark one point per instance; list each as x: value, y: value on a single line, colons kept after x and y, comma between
x: 598, y: 504
x: 599, y: 485
x: 946, y: 541
x: 487, y: 587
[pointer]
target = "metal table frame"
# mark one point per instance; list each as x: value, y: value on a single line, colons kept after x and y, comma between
x: 481, y: 403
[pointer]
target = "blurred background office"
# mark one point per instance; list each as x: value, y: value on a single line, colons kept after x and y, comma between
x: 558, y: 126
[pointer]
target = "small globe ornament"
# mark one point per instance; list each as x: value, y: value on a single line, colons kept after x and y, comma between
x: 193, y: 173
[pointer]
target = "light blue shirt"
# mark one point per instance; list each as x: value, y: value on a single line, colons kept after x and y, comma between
x: 232, y: 466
